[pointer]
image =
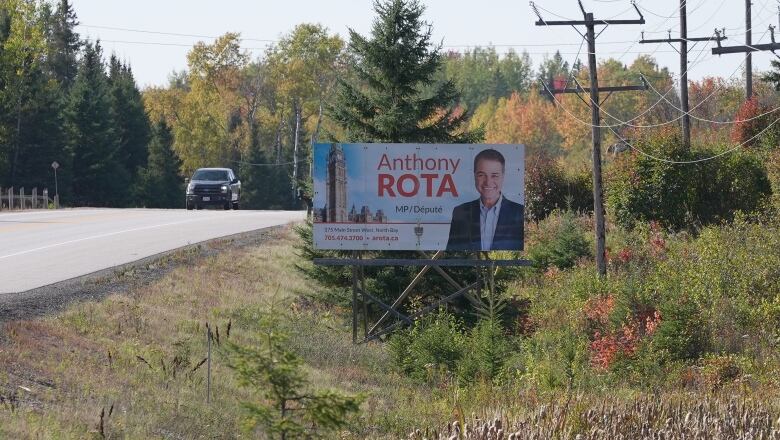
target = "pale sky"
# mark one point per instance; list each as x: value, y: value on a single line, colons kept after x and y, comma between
x: 153, y: 53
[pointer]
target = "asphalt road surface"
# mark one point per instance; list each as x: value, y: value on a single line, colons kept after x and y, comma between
x: 38, y: 248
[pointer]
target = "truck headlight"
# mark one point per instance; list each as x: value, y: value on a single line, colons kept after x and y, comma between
x: 190, y: 188
x: 224, y: 189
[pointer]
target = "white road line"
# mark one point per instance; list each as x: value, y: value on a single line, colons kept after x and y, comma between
x: 28, y: 251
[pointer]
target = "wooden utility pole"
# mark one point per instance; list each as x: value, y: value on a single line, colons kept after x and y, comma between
x: 686, y: 119
x: 683, y: 40
x: 748, y: 48
x: 590, y: 24
x: 749, y: 58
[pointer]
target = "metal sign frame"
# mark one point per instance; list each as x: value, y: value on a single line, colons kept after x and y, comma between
x: 361, y: 298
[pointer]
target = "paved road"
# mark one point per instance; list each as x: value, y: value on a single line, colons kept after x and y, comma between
x: 38, y: 248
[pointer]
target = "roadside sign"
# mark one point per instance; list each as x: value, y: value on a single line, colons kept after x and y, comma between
x: 55, y: 165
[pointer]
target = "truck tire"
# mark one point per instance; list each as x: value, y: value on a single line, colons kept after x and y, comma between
x: 235, y: 206
x: 189, y: 206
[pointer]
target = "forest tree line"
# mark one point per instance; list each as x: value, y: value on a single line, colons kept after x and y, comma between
x: 63, y: 99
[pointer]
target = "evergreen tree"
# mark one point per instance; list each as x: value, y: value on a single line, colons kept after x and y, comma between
x: 550, y: 69
x: 773, y: 76
x: 40, y: 135
x: 252, y: 185
x: 392, y: 69
x: 160, y: 185
x: 5, y: 140
x: 263, y: 182
x: 132, y: 124
x: 285, y: 405
x: 63, y: 44
x: 98, y: 178
x: 394, y: 98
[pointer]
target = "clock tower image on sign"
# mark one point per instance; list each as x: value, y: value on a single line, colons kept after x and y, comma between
x: 336, y: 182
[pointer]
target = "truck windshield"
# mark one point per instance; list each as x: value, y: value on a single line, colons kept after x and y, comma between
x: 219, y: 175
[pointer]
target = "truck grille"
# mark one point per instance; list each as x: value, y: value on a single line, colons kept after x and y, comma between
x: 200, y: 189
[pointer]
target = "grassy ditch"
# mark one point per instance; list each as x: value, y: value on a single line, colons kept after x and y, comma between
x: 132, y: 366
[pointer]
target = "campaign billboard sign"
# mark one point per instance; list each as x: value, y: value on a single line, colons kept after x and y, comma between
x: 459, y: 197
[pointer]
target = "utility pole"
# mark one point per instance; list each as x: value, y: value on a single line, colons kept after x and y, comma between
x: 590, y: 24
x: 686, y: 119
x: 749, y: 58
x: 683, y: 40
x: 749, y: 48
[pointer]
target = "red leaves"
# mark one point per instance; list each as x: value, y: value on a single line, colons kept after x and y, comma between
x: 750, y: 123
x: 608, y: 344
x: 599, y: 309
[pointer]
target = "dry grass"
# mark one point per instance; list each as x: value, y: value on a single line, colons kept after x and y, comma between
x: 134, y: 357
x: 129, y: 366
x: 647, y: 417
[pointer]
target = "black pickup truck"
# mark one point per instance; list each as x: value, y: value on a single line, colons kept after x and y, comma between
x: 213, y: 187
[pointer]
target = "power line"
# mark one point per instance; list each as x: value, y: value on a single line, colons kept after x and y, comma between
x: 533, y: 6
x: 144, y: 31
x: 688, y: 162
x: 465, y: 47
x: 623, y: 140
x: 262, y: 164
x: 157, y: 43
x: 625, y: 123
x: 737, y: 121
x: 590, y: 24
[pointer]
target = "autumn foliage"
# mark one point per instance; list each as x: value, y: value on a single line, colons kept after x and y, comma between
x: 608, y: 344
x: 529, y: 120
x: 752, y: 120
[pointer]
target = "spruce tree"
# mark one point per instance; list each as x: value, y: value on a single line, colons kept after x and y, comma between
x: 391, y: 96
x: 97, y: 176
x: 264, y: 185
x: 550, y: 69
x: 5, y: 140
x: 63, y: 44
x: 40, y: 134
x: 132, y: 124
x: 160, y: 185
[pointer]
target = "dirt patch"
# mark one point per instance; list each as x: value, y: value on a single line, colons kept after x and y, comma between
x: 56, y: 297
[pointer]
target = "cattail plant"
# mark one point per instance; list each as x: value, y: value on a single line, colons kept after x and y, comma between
x: 648, y: 418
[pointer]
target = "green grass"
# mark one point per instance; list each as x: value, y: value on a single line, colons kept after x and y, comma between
x: 139, y: 353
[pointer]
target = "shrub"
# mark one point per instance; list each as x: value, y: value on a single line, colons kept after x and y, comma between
x: 684, y: 196
x: 682, y: 334
x: 486, y: 352
x: 751, y: 124
x: 561, y: 243
x: 435, y: 344
x: 557, y: 358
x: 720, y: 370
x: 548, y: 188
x: 287, y: 407
x: 329, y: 276
x: 735, y: 183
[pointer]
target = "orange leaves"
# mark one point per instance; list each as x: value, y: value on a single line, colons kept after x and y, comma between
x: 530, y: 120
x: 599, y: 309
x: 609, y: 344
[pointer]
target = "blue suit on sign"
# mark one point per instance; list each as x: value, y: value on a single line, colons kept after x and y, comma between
x: 465, y: 227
